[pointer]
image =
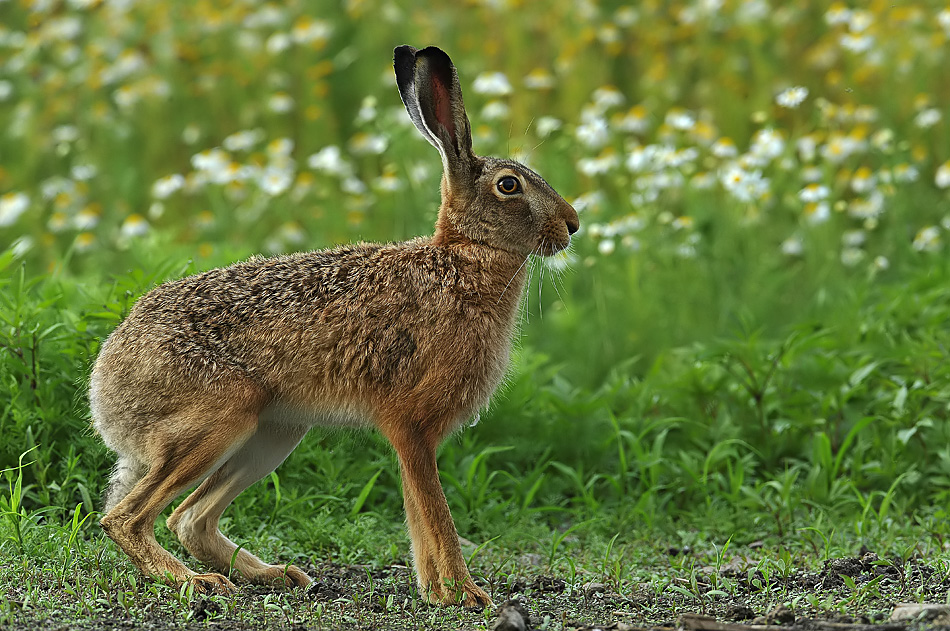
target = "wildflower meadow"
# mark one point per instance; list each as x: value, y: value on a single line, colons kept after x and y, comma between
x: 745, y: 348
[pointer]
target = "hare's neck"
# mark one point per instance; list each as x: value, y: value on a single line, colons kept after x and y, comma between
x: 447, y: 235
x: 509, y: 275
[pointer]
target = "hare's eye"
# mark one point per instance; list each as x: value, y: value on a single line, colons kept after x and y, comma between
x: 509, y: 185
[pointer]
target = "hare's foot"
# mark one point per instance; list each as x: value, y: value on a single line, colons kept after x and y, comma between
x: 212, y: 583
x: 459, y: 592
x: 286, y: 575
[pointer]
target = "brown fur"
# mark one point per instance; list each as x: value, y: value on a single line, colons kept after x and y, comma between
x: 214, y: 379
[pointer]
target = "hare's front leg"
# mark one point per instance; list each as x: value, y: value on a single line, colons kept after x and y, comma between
x: 440, y: 567
x: 195, y: 521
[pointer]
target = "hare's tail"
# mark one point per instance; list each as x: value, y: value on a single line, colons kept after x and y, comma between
x: 125, y: 475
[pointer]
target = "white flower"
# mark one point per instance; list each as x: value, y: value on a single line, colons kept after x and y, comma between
x: 793, y: 246
x: 927, y: 239
x: 607, y: 97
x: 311, y: 31
x: 851, y: 256
x: 857, y: 43
x: 329, y: 160
x: 863, y: 180
x: 812, y: 174
x: 86, y: 219
x: 57, y: 222
x: 599, y: 165
x: 353, y: 186
x: 767, y: 144
x: 817, y: 213
x: 744, y: 185
x: 607, y: 246
x: 368, y: 144
x: 681, y: 119
x: 860, y: 21
x: 881, y: 263
x: 868, y: 208
x: 853, y: 238
x: 84, y: 242
x: 83, y: 172
x: 807, y: 146
x: 587, y: 201
x: 6, y: 89
x: 838, y: 14
x: 928, y: 118
x: 724, y: 148
x: 593, y: 133
x: 278, y: 43
x: 942, y: 176
x: 909, y: 173
x: 546, y: 125
x: 243, y: 140
x: 211, y: 160
x: 280, y: 103
x: 65, y: 133
x: 134, y: 225
x: 539, y: 79
x: 367, y: 111
x: 12, y: 205
x: 275, y: 181
x: 792, y: 97
x: 492, y: 83
x: 165, y: 186
x: 943, y: 19
x: 813, y: 193
x: 702, y: 181
x: 280, y: 148
x: 634, y: 121
x: 388, y: 182
x: 839, y: 147
x: 495, y: 110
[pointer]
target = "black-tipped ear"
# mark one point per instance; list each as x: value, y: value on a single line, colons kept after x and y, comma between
x: 404, y: 63
x: 430, y: 90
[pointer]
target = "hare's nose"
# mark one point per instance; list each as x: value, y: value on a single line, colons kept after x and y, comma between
x: 572, y: 224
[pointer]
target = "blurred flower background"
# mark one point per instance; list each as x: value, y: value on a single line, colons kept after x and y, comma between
x: 727, y: 157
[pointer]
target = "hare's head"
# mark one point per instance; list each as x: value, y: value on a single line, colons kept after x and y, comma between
x: 495, y: 202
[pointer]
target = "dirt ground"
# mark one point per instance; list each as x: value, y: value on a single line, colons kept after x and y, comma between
x: 846, y: 593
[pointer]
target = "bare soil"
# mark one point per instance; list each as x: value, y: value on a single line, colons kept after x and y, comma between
x: 844, y: 593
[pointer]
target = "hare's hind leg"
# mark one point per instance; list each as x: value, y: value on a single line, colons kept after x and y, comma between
x: 128, y: 471
x: 191, y: 446
x: 195, y: 521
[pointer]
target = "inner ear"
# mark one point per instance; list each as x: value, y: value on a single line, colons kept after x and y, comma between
x: 442, y: 106
x: 442, y: 102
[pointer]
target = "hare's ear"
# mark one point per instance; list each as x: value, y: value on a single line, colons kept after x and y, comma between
x: 429, y: 87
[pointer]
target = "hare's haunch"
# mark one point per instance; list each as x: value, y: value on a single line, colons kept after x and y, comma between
x: 215, y: 378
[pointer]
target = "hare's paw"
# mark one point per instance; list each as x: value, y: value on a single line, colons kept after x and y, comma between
x: 212, y: 583
x: 286, y: 575
x: 462, y: 592
x: 475, y: 596
x: 293, y: 576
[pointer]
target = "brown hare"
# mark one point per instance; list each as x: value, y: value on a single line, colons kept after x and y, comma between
x: 215, y: 378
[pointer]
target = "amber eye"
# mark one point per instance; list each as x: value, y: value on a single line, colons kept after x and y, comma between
x: 509, y: 185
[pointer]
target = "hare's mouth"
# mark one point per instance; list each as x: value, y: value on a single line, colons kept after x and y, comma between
x: 548, y: 247
x: 555, y: 236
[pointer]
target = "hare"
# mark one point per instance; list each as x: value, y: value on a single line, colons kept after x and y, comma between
x: 213, y: 379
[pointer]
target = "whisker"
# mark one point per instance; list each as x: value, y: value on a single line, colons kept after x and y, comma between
x: 541, y: 282
x: 510, y: 280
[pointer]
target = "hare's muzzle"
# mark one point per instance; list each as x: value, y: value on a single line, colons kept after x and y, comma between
x: 572, y: 222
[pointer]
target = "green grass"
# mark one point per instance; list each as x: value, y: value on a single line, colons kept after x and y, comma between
x: 740, y: 376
